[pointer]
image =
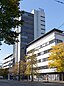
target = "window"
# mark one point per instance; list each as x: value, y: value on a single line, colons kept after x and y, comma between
x: 42, y: 16
x: 58, y: 41
x: 44, y: 59
x: 42, y: 20
x: 42, y: 24
x: 39, y: 60
x: 55, y: 40
x: 46, y: 43
x: 40, y: 46
x: 42, y: 29
x: 43, y: 67
x: 42, y: 33
x: 46, y: 51
x: 37, y: 47
x: 39, y: 54
x: 43, y: 45
x: 52, y: 41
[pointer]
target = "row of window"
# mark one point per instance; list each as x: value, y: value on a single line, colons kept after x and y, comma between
x: 42, y: 60
x: 9, y: 65
x: 43, y: 52
x: 41, y: 67
x: 47, y: 43
x: 8, y: 61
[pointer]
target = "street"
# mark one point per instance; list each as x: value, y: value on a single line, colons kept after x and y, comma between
x: 25, y: 83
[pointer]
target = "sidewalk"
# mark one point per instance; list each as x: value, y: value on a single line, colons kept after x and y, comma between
x: 56, y: 81
x: 44, y: 81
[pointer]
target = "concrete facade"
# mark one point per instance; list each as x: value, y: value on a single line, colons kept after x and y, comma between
x: 8, y: 61
x: 42, y: 46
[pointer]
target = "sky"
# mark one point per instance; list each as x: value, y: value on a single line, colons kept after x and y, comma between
x: 54, y: 18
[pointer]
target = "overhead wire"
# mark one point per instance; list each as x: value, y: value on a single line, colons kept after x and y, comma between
x: 59, y: 1
x: 61, y: 25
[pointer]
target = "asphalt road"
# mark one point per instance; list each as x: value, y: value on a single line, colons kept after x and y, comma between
x: 17, y: 83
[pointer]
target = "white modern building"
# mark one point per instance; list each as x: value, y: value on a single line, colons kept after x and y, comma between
x: 42, y: 46
x: 32, y: 28
x: 8, y: 61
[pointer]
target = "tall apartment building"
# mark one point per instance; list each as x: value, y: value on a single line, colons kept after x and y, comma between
x: 41, y: 48
x: 30, y: 30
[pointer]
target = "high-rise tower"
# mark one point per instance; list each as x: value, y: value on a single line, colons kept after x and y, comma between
x: 39, y: 22
x: 33, y: 27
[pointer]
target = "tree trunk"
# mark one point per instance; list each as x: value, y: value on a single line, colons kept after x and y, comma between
x: 32, y: 74
x: 32, y: 77
x: 60, y: 76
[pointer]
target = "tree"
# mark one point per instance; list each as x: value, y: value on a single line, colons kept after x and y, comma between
x: 56, y: 57
x: 4, y: 72
x: 15, y: 69
x: 22, y: 68
x: 31, y: 64
x: 18, y: 69
x: 9, y: 14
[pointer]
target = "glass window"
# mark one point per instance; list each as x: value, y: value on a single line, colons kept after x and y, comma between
x: 42, y: 24
x: 43, y: 67
x: 39, y: 60
x: 39, y: 53
x: 42, y: 16
x: 42, y: 29
x: 42, y: 33
x: 58, y: 41
x: 52, y: 41
x: 42, y: 20
x: 44, y: 59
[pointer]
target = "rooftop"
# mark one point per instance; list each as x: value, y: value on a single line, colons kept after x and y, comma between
x: 45, y: 35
